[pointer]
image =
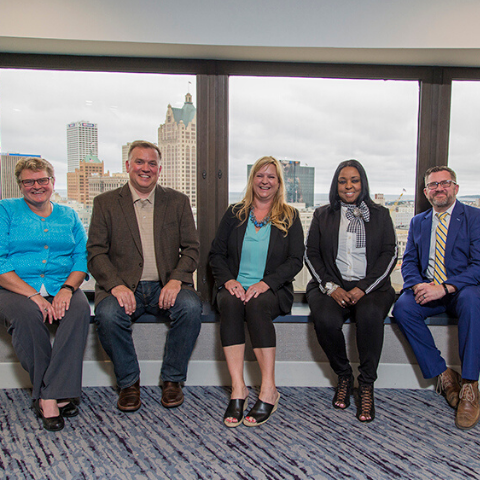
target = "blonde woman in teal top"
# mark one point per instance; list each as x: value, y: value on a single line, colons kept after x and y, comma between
x: 43, y: 262
x: 254, y: 257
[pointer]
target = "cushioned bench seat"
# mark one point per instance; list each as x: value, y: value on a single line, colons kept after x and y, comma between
x: 300, y: 314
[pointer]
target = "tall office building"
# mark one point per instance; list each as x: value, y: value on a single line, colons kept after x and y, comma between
x: 82, y: 140
x: 8, y: 182
x: 299, y: 182
x: 125, y: 156
x: 77, y: 181
x: 177, y: 140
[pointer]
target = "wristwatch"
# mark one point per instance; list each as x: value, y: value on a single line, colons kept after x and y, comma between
x: 68, y: 287
x: 330, y: 287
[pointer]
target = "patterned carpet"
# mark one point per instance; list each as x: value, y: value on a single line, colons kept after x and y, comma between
x: 413, y: 437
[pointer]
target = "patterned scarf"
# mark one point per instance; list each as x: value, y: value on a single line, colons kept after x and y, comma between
x: 357, y: 216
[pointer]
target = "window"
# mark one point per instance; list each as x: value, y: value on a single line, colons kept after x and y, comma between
x: 464, y: 148
x: 100, y: 113
x: 312, y: 125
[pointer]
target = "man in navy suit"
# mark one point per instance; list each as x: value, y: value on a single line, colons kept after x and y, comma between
x: 427, y: 291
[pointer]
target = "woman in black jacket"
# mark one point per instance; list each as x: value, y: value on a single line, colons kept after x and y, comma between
x: 254, y: 257
x: 350, y: 252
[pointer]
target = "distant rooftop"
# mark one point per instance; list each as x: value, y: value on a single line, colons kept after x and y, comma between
x: 186, y: 113
x: 91, y: 159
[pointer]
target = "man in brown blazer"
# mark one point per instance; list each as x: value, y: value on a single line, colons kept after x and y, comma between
x: 142, y: 251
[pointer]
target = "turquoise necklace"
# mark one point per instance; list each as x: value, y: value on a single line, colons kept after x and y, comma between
x: 256, y: 222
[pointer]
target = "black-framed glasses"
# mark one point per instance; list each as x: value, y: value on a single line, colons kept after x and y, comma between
x: 443, y: 183
x: 30, y: 182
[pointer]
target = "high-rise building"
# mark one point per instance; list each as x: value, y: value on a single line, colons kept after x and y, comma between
x: 82, y: 140
x: 8, y: 182
x: 125, y: 156
x: 299, y: 182
x: 177, y: 140
x: 77, y: 181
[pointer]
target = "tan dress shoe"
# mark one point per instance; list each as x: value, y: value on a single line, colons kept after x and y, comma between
x: 448, y: 385
x: 129, y: 398
x: 172, y: 395
x: 468, y: 411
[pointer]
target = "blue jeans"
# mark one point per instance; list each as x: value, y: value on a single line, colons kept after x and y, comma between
x: 115, y: 332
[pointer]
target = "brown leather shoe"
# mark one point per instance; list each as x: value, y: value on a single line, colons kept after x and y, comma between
x: 129, y: 398
x: 172, y: 395
x: 468, y: 411
x: 448, y: 385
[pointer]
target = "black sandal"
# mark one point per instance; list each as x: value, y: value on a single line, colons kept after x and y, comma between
x: 235, y: 410
x: 260, y: 412
x: 366, y: 402
x: 343, y: 392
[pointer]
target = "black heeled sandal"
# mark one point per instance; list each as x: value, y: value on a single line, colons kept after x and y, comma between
x: 343, y: 392
x: 366, y: 402
x: 235, y: 410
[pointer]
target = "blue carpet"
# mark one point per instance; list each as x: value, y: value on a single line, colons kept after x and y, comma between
x: 413, y: 437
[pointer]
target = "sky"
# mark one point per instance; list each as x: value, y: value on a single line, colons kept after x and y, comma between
x: 319, y: 122
x: 36, y: 106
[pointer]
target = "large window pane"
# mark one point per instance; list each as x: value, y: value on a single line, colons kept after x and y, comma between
x: 82, y: 122
x: 464, y: 149
x: 321, y: 122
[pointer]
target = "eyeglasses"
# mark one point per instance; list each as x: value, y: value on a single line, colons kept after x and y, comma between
x: 443, y: 183
x: 31, y: 182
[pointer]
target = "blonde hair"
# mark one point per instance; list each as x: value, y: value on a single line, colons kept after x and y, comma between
x: 34, y: 164
x: 282, y: 215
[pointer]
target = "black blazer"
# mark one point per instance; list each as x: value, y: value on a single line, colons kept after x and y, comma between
x: 322, y: 248
x: 284, y: 257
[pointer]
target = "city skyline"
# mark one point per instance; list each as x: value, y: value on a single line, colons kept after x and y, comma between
x: 35, y: 106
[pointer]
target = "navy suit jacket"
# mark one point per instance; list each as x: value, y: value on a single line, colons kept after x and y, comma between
x: 462, y: 251
x: 284, y: 256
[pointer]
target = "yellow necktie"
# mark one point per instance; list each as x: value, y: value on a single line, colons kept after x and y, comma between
x: 440, y: 274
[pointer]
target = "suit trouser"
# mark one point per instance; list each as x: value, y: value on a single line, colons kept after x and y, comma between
x: 369, y: 315
x: 55, y: 371
x: 115, y: 332
x: 465, y: 305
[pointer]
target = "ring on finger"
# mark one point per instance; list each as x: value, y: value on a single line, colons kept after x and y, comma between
x: 343, y: 302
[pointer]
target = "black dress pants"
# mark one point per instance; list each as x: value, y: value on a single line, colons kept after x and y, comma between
x: 369, y: 314
x: 259, y: 314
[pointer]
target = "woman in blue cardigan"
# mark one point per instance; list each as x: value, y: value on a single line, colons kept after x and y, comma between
x: 350, y: 251
x: 43, y: 261
x: 254, y: 257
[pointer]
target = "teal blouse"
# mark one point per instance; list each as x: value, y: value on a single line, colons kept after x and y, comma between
x: 254, y: 255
